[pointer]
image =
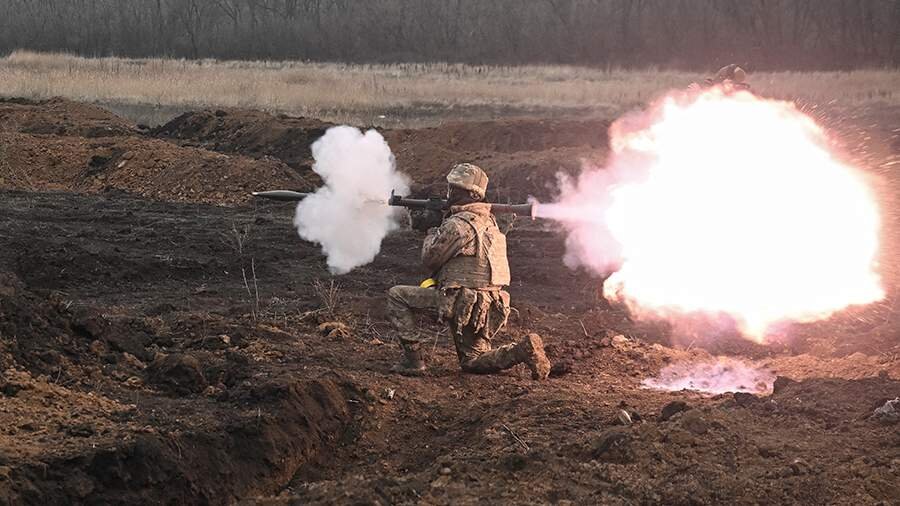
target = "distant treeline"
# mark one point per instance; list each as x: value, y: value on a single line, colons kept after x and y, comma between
x: 700, y: 34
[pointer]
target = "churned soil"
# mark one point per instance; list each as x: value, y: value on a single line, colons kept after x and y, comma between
x: 163, y: 345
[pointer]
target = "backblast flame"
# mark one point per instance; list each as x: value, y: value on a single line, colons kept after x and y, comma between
x: 718, y: 202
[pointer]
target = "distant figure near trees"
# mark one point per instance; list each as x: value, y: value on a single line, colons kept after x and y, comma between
x: 731, y: 77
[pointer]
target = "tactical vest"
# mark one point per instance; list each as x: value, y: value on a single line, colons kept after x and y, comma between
x: 488, y: 267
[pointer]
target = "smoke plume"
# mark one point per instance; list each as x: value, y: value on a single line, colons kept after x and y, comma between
x: 714, y: 377
x: 349, y: 215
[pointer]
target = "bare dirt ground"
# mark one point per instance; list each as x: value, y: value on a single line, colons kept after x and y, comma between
x: 163, y: 339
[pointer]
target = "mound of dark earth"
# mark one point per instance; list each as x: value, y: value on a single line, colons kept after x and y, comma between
x: 58, y: 116
x: 250, y: 133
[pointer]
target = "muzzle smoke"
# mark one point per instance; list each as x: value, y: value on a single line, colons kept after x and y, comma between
x: 724, y: 204
x: 349, y: 215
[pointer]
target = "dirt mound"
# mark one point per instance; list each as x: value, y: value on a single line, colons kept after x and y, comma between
x: 505, y: 136
x: 213, y: 455
x: 522, y: 156
x: 148, y: 167
x: 46, y: 335
x: 59, y: 116
x: 251, y: 133
x: 86, y: 403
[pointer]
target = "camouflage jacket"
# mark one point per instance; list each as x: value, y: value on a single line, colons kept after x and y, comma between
x: 467, y: 250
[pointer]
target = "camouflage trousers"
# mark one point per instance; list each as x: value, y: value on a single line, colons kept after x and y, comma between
x: 474, y: 316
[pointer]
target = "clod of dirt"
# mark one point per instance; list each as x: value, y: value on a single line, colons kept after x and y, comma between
x: 620, y: 341
x: 81, y: 430
x: 219, y: 342
x: 672, y: 408
x: 781, y: 383
x: 694, y: 422
x: 178, y: 373
x: 133, y: 361
x: 613, y: 446
x: 513, y: 462
x: 744, y: 399
x: 560, y: 368
x: 800, y: 467
x: 334, y: 329
x: 91, y: 323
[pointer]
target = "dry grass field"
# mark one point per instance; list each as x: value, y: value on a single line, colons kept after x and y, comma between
x: 390, y: 95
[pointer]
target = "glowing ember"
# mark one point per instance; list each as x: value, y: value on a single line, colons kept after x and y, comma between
x: 718, y: 377
x: 725, y: 203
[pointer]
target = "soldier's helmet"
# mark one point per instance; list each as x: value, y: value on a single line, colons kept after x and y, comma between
x: 732, y: 73
x: 468, y: 177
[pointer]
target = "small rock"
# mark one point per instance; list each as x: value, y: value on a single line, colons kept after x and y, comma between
x: 623, y: 417
x: 80, y: 430
x: 620, y: 341
x: 889, y: 413
x: 694, y: 422
x: 219, y: 342
x: 389, y: 393
x: 445, y: 471
x: 895, y: 465
x: 212, y: 391
x: 670, y: 409
x: 799, y: 467
x: 134, y: 382
x: 179, y: 372
x: 98, y: 348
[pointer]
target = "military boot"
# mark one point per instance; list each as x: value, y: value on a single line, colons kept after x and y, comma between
x: 412, y: 364
x: 530, y: 350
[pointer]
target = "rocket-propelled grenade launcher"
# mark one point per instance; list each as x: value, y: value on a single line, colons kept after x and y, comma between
x: 431, y: 204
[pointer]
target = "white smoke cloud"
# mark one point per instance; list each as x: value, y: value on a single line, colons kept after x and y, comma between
x: 715, y: 377
x: 348, y: 216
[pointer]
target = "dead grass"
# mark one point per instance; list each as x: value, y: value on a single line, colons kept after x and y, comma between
x: 385, y: 94
x: 329, y: 297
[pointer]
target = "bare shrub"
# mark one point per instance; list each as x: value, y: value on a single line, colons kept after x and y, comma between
x: 238, y: 238
x: 329, y: 296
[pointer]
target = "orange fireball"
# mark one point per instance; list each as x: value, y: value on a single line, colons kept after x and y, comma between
x: 720, y: 202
